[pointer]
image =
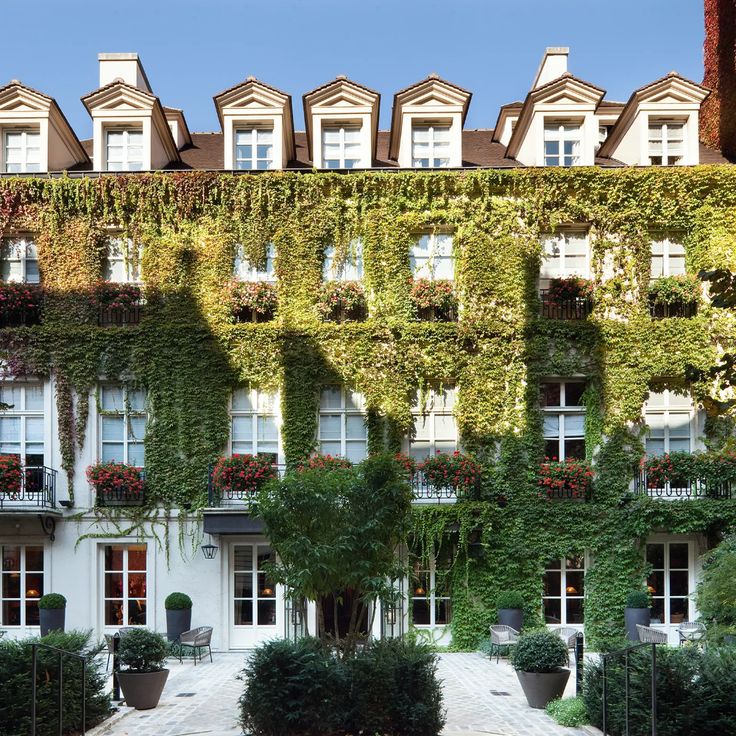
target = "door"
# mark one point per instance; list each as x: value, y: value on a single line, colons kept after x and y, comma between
x: 256, y: 604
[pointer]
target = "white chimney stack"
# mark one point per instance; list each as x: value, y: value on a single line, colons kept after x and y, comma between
x: 123, y: 67
x: 553, y: 65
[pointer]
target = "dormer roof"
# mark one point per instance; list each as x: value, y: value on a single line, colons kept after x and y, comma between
x: 341, y: 92
x: 176, y: 115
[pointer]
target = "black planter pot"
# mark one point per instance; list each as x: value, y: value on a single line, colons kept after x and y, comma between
x: 542, y: 687
x: 142, y: 690
x: 513, y: 617
x: 634, y: 616
x: 177, y: 622
x: 51, y: 619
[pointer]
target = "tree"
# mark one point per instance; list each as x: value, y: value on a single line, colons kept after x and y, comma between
x: 338, y: 530
x: 716, y: 593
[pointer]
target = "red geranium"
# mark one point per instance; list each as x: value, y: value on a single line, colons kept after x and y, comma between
x: 242, y: 474
x: 570, y: 477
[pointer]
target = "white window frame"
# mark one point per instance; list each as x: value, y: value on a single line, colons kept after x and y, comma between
x: 355, y: 407
x: 341, y: 159
x: 555, y: 247
x: 126, y: 162
x: 24, y: 166
x: 435, y: 405
x: 438, y: 256
x: 243, y: 270
x: 351, y: 269
x: 669, y: 147
x: 430, y: 575
x: 666, y: 596
x: 432, y: 145
x: 561, y: 412
x: 257, y: 574
x: 127, y: 415
x: 27, y: 252
x: 556, y: 131
x: 244, y: 163
x: 126, y: 571
x: 563, y: 595
x: 121, y: 252
x: 260, y: 401
x: 24, y: 599
x: 23, y: 414
x: 666, y: 410
x: 672, y: 248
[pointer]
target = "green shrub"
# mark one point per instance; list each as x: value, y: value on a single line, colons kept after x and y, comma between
x: 510, y: 599
x: 303, y: 689
x: 638, y: 599
x: 568, y: 712
x: 177, y: 602
x: 539, y: 651
x: 52, y: 601
x: 716, y: 592
x: 142, y: 650
x: 15, y: 685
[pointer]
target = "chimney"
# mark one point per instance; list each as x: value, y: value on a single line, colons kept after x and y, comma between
x: 718, y: 112
x: 552, y: 66
x: 123, y: 67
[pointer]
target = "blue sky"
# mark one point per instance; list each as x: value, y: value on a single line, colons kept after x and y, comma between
x: 192, y: 49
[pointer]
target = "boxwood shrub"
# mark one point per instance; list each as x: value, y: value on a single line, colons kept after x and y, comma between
x: 52, y: 601
x: 510, y: 599
x: 539, y: 651
x: 177, y: 602
x: 638, y: 599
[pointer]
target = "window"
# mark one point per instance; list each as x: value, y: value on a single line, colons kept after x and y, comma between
x: 243, y: 270
x: 666, y: 142
x: 122, y: 425
x: 430, y: 590
x: 603, y: 132
x: 254, y: 148
x: 125, y: 584
x: 435, y: 429
x: 22, y: 151
x: 349, y: 269
x: 564, y: 419
x: 341, y: 148
x: 565, y: 254
x: 342, y: 428
x: 19, y: 260
x: 669, y: 417
x: 432, y: 257
x: 430, y: 146
x: 564, y: 591
x: 21, y: 585
x: 561, y: 144
x: 123, y: 261
x: 22, y: 424
x: 668, y: 258
x: 254, y: 422
x: 254, y: 594
x: 669, y: 581
x: 124, y: 150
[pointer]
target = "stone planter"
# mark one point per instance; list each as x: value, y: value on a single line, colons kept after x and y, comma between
x: 51, y: 619
x: 634, y: 616
x: 142, y: 690
x: 513, y: 617
x: 542, y: 687
x: 177, y: 622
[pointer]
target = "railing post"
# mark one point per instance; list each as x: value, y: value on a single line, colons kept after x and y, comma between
x: 115, y: 683
x: 34, y: 666
x: 626, y: 692
x: 84, y: 696
x: 61, y: 695
x: 654, y: 690
x: 605, y: 699
x: 579, y: 663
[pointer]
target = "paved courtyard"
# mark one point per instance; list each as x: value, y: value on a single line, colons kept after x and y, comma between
x: 481, y: 697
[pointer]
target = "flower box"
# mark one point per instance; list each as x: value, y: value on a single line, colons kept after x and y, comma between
x: 711, y: 474
x: 567, y: 298
x: 240, y: 477
x: 117, y: 304
x: 570, y: 478
x: 674, y: 296
x: 253, y: 301
x: 342, y: 301
x: 20, y: 304
x: 11, y: 477
x: 434, y: 301
x: 324, y: 462
x: 455, y: 471
x: 117, y: 484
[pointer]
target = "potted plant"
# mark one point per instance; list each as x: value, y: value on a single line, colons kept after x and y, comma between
x: 539, y: 659
x: 342, y: 301
x: 434, y: 300
x: 253, y: 301
x: 637, y: 611
x: 52, y: 610
x: 116, y: 304
x: 510, y: 606
x: 142, y: 655
x: 178, y: 615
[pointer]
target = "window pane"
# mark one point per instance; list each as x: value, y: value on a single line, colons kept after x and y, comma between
x: 113, y: 557
x: 356, y: 428
x: 655, y: 555
x: 551, y: 425
x: 112, y: 398
x: 553, y: 611
x: 34, y: 397
x: 420, y: 612
x: 574, y: 394
x: 266, y: 613
x: 113, y: 428
x: 550, y: 394
x: 330, y: 426
x: 34, y: 429
x: 243, y: 613
x: 679, y: 556
x: 137, y: 557
x: 136, y: 455
x: 574, y: 611
x: 331, y: 397
x: 574, y: 425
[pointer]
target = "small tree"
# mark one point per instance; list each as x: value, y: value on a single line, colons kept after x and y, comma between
x: 338, y: 529
x: 716, y: 593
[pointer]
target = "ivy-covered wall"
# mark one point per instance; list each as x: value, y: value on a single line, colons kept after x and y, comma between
x: 188, y: 353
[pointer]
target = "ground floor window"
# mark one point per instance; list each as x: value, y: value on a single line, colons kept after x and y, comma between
x: 125, y: 584
x: 669, y: 581
x: 254, y: 593
x: 430, y: 589
x: 22, y: 584
x: 564, y: 590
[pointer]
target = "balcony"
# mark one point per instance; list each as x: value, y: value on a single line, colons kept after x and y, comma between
x: 130, y: 493
x: 569, y: 308
x: 33, y: 490
x: 424, y: 492
x: 659, y: 310
x: 119, y: 316
x: 683, y: 488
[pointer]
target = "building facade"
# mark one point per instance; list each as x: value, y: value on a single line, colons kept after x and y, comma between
x: 526, y: 295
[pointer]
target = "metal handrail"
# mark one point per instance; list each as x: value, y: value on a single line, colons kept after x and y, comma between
x: 577, y: 307
x: 684, y: 488
x: 122, y: 496
x: 658, y: 310
x: 119, y: 316
x: 37, y: 489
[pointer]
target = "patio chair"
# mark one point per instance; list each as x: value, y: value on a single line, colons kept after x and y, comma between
x: 502, y: 636
x: 569, y: 635
x: 690, y: 631
x: 196, y: 639
x: 109, y: 643
x: 648, y: 635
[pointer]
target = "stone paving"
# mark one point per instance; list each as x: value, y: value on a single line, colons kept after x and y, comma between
x: 481, y: 698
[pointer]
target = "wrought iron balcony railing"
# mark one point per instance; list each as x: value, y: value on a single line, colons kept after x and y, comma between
x: 35, y: 489
x: 563, y: 494
x: 122, y: 495
x: 675, y: 309
x: 20, y: 316
x: 578, y: 307
x: 119, y: 316
x: 683, y: 488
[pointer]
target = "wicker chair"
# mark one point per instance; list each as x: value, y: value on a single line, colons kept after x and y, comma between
x: 648, y: 635
x: 690, y: 631
x: 569, y: 635
x: 502, y: 636
x: 196, y: 639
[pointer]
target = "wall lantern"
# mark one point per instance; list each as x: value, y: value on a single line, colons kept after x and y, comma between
x: 209, y: 550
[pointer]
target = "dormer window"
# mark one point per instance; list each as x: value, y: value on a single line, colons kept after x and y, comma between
x: 666, y: 142
x: 124, y: 149
x: 254, y: 149
x: 341, y: 147
x: 19, y: 261
x: 430, y: 146
x: 561, y: 144
x: 22, y: 151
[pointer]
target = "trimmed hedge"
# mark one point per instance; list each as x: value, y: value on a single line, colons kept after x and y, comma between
x: 510, y: 599
x: 638, y: 599
x: 539, y: 651
x: 52, y: 601
x: 177, y: 602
